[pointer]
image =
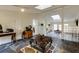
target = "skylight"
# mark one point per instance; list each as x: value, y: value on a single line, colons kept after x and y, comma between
x: 56, y: 17
x: 41, y: 7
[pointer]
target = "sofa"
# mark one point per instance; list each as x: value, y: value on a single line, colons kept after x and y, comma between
x: 41, y: 43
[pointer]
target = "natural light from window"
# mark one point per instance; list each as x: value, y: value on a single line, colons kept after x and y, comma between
x: 41, y: 7
x: 56, y: 17
x: 55, y: 26
x: 65, y: 27
x: 60, y: 27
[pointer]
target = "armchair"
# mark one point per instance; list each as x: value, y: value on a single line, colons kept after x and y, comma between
x: 1, y: 29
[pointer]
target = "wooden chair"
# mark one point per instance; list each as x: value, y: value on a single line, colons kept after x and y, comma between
x: 27, y: 34
x: 1, y: 29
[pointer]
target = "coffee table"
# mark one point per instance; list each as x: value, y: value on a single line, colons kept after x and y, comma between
x: 28, y: 49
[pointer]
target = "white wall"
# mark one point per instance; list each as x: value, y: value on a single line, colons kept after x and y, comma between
x: 16, y: 20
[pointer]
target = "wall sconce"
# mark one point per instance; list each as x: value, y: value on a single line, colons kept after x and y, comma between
x: 48, y: 24
x: 76, y: 22
x: 42, y: 24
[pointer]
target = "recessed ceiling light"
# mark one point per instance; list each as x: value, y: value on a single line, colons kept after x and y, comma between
x: 41, y: 7
x: 56, y: 17
x: 22, y: 10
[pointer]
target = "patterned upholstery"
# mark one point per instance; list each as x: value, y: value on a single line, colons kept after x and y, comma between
x: 41, y: 42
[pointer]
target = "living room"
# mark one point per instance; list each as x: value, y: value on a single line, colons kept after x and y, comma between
x: 58, y: 22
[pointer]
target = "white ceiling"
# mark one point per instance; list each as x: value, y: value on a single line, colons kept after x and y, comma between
x: 70, y: 12
x: 28, y: 8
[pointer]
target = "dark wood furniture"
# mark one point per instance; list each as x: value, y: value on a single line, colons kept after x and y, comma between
x: 27, y: 34
x: 12, y: 34
x: 1, y: 29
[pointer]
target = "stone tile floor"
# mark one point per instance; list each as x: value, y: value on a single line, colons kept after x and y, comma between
x: 60, y: 46
x: 13, y: 47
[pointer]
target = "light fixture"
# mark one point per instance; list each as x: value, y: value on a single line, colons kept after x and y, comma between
x: 22, y: 10
x: 41, y: 7
x: 56, y: 17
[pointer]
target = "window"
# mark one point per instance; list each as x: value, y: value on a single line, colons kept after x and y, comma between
x: 34, y: 23
x: 55, y: 26
x: 56, y: 17
x: 60, y: 27
x: 65, y: 27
